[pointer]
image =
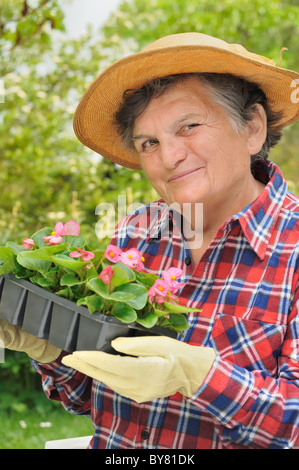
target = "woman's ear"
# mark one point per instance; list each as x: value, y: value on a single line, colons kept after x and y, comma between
x: 257, y: 130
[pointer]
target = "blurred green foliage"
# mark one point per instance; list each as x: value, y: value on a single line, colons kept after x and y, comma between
x: 46, y: 175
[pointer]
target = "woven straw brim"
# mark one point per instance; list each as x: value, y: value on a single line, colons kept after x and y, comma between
x: 93, y: 120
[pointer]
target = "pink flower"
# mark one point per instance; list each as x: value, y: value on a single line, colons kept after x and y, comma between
x: 53, y: 239
x: 106, y: 275
x: 132, y: 258
x: 170, y: 277
x: 85, y: 255
x: 160, y: 292
x: 113, y: 253
x: 69, y: 228
x: 28, y: 243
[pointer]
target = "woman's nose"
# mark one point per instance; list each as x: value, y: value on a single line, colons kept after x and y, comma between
x: 172, y: 153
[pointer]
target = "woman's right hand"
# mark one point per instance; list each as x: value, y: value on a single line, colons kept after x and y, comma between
x: 13, y: 337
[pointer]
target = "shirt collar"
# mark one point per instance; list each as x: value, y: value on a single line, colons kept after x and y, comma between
x: 256, y: 220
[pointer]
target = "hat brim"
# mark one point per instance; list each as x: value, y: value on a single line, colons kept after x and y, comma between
x: 94, y: 116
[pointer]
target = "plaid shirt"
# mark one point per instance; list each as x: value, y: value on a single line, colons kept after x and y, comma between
x: 247, y: 286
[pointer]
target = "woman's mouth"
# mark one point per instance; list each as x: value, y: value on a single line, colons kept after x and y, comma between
x: 184, y: 174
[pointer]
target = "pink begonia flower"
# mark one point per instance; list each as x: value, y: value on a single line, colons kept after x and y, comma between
x: 132, y: 258
x: 170, y: 277
x: 106, y: 274
x: 53, y: 239
x: 85, y: 255
x: 69, y: 228
x: 113, y: 253
x: 160, y: 292
x: 28, y: 243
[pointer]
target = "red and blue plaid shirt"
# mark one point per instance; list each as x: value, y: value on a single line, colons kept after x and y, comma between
x: 247, y: 286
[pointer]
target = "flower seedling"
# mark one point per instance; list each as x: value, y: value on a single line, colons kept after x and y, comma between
x: 113, y: 282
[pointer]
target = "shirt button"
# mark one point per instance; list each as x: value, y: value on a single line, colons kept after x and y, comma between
x: 187, y: 260
x: 144, y: 434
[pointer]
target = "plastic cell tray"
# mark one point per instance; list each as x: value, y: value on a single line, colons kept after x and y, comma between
x: 62, y: 322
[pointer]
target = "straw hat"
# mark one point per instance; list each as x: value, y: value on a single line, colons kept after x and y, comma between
x: 178, y: 53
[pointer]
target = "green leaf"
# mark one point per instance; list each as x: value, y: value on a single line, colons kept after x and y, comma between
x: 45, y: 283
x: 93, y: 302
x: 148, y: 321
x: 121, y: 276
x: 100, y: 288
x: 132, y: 294
x: 147, y: 279
x: 98, y: 255
x: 70, y: 279
x: 91, y: 272
x: 119, y: 296
x: 177, y: 308
x: 8, y: 256
x: 160, y: 313
x: 51, y: 275
x: 178, y: 322
x: 46, y: 253
x: 138, y: 292
x: 41, y: 266
x: 66, y: 293
x: 15, y: 247
x: 38, y: 236
x: 6, y: 253
x: 124, y: 313
x: 129, y: 271
x: 73, y: 241
x: 67, y: 262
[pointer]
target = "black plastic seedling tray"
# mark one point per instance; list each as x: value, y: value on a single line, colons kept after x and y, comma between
x: 62, y: 322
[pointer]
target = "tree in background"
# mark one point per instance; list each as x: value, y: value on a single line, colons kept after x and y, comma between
x: 46, y: 174
x: 262, y: 27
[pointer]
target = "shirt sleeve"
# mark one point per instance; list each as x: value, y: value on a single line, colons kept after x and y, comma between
x: 70, y: 387
x: 252, y: 408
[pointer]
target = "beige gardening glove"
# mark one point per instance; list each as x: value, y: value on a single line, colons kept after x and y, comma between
x: 162, y: 367
x: 13, y: 337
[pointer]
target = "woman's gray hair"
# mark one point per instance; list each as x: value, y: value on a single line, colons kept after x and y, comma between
x: 236, y: 95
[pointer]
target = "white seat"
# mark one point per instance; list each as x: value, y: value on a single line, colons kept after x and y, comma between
x: 73, y: 443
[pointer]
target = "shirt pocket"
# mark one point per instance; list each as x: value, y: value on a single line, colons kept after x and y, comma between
x: 250, y: 344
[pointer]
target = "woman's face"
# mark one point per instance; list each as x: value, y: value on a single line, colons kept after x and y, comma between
x: 188, y: 148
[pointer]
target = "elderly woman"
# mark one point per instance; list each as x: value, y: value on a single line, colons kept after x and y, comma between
x: 198, y: 116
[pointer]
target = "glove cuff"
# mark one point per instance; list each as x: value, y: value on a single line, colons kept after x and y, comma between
x: 44, y: 353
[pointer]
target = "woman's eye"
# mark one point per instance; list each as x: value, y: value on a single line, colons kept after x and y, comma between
x: 148, y: 145
x: 188, y: 127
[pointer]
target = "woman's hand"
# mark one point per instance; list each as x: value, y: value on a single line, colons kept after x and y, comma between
x: 154, y: 367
